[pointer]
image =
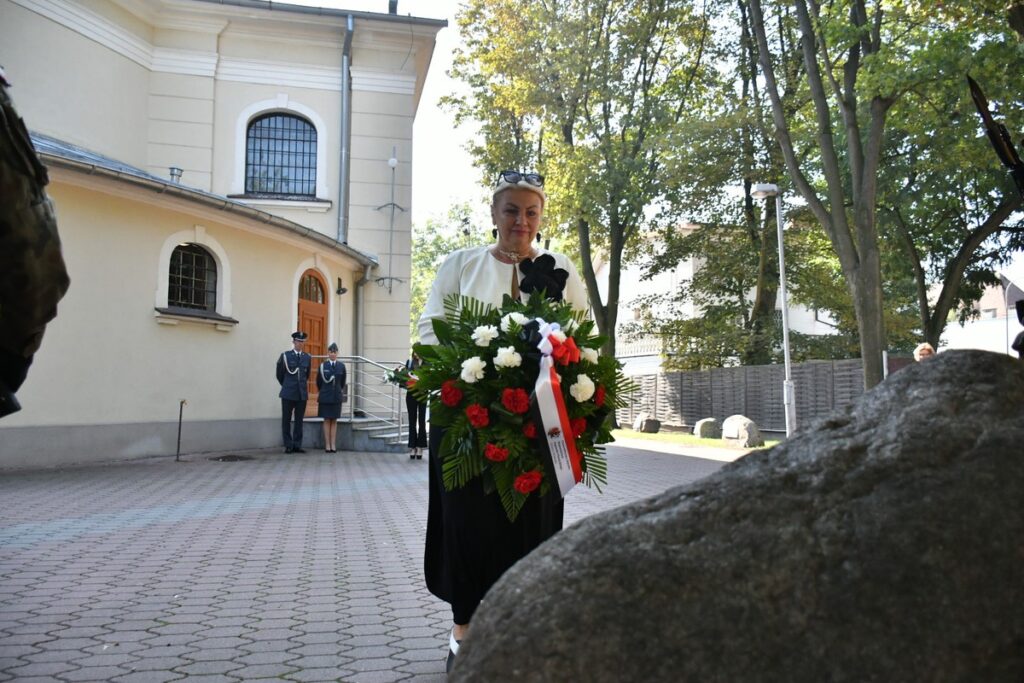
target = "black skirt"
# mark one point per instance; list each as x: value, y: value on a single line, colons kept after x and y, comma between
x: 330, y: 411
x: 470, y: 542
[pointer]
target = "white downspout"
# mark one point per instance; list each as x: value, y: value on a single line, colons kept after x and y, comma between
x: 346, y: 133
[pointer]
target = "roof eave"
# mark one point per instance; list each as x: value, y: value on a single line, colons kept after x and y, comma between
x: 211, y: 201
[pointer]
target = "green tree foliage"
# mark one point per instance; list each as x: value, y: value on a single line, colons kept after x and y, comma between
x: 949, y: 215
x: 725, y: 146
x: 589, y: 92
x: 863, y: 60
x: 431, y: 244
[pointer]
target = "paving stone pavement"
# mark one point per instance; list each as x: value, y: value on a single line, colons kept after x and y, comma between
x: 283, y: 567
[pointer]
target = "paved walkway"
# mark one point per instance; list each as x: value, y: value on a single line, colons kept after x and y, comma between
x: 297, y: 567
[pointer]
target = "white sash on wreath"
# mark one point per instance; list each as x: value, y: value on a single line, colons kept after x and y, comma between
x: 558, y: 444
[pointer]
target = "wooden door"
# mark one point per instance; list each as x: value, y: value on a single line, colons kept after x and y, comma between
x: 313, y: 321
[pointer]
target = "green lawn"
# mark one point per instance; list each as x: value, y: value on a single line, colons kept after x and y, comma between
x: 681, y: 438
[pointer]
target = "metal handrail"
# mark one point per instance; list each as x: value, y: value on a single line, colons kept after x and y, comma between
x: 376, y: 403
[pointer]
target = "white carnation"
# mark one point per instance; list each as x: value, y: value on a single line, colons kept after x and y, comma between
x: 514, y: 316
x: 473, y: 369
x: 583, y: 389
x: 559, y: 335
x: 485, y: 334
x: 589, y: 355
x: 508, y: 358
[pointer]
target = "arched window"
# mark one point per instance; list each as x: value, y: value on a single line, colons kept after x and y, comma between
x: 280, y: 156
x: 310, y: 289
x: 192, y: 281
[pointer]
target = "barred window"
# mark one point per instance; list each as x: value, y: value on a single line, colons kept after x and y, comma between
x: 310, y: 289
x: 193, y: 278
x: 280, y: 157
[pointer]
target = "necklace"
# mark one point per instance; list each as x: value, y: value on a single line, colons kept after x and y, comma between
x: 510, y: 256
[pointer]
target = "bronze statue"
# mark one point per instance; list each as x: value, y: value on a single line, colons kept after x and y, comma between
x: 32, y: 273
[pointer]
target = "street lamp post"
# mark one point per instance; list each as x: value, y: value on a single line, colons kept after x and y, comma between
x: 765, y: 191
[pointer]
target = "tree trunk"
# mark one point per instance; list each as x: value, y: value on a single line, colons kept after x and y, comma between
x: 762, y: 312
x: 956, y: 268
x: 870, y: 319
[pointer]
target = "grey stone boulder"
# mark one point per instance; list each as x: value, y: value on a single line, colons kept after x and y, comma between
x: 883, y: 543
x: 645, y: 423
x: 708, y: 428
x: 740, y: 430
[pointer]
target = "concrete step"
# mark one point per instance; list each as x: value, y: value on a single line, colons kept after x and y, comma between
x: 370, y: 430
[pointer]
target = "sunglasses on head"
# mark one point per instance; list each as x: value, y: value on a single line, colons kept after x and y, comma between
x: 514, y: 177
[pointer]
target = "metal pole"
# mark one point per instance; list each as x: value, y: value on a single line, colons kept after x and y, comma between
x: 181, y: 410
x: 393, y: 163
x: 788, y: 394
x: 1006, y: 310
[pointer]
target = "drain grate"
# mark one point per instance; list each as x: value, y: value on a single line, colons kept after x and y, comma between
x: 231, y: 458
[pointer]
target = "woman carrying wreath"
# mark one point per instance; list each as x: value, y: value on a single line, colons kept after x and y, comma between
x: 470, y: 542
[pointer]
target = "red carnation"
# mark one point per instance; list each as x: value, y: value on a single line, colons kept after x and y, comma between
x: 495, y: 453
x: 515, y: 400
x: 478, y: 416
x: 564, y: 352
x: 530, y: 430
x: 578, y: 425
x: 451, y: 395
x: 527, y: 481
x: 599, y: 396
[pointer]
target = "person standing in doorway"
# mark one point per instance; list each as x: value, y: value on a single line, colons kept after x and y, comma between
x: 330, y: 381
x: 293, y: 376
x: 417, y: 415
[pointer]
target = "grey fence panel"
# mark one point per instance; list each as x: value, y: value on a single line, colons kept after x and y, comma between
x: 728, y: 391
x: 847, y: 381
x: 680, y: 399
x: 764, y: 396
x: 649, y: 394
x: 812, y: 384
x: 626, y: 415
x: 695, y: 396
x: 669, y: 386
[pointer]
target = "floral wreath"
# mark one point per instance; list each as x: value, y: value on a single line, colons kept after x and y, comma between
x: 480, y: 380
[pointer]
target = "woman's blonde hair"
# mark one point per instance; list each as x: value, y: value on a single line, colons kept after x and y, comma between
x: 921, y: 347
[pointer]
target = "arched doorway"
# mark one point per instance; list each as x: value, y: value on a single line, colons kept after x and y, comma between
x: 313, y: 321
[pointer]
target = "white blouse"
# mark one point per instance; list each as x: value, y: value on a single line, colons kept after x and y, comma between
x: 475, y: 272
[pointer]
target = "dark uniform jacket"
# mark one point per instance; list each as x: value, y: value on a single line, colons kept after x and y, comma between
x: 293, y: 374
x: 330, y: 380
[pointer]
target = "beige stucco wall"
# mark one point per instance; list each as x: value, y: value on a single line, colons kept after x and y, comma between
x: 74, y: 88
x: 106, y: 359
x: 179, y: 94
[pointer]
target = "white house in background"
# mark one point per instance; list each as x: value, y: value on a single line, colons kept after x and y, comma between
x: 221, y: 175
x: 996, y: 326
x: 643, y: 356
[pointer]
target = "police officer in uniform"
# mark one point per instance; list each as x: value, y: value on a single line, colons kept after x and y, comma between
x: 330, y: 381
x: 292, y: 374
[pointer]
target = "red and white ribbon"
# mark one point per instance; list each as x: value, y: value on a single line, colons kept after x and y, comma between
x: 554, y: 419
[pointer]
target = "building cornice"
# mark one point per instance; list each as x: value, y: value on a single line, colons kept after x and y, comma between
x: 93, y: 26
x: 91, y: 167
x: 190, y: 62
x: 103, y: 31
x: 382, y: 80
x: 278, y: 73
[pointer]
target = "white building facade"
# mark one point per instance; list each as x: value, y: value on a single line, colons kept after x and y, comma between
x: 282, y: 211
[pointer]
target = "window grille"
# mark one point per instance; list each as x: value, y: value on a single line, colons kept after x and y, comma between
x: 280, y: 157
x: 310, y: 289
x: 193, y: 278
